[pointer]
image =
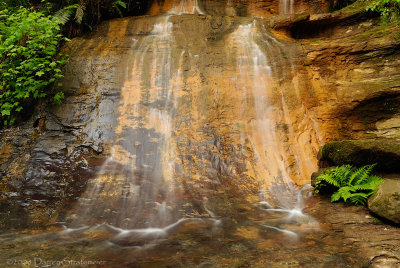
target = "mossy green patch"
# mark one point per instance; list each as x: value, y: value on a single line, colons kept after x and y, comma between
x: 386, y: 153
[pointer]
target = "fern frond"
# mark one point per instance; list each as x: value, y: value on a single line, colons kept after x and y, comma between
x: 342, y: 174
x: 346, y: 192
x: 354, y: 185
x: 120, y: 3
x: 360, y: 174
x: 80, y: 12
x: 371, y: 184
x: 328, y: 178
x: 375, y: 181
x: 63, y: 15
x: 343, y: 192
x: 363, y: 177
x: 335, y: 196
x: 359, y: 198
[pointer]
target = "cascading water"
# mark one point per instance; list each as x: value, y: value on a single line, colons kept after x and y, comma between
x: 140, y: 185
x: 207, y: 161
x: 137, y: 175
x: 176, y: 7
x: 256, y: 73
x: 286, y: 7
x: 186, y: 6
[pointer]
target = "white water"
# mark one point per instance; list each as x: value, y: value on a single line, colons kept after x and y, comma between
x: 186, y: 7
x: 286, y: 7
x: 266, y: 139
x: 135, y: 193
x: 140, y: 168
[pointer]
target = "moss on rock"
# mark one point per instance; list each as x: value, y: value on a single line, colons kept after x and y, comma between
x: 386, y: 201
x: 386, y: 153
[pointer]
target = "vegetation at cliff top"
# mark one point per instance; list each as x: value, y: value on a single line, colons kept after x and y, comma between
x: 353, y: 185
x: 31, y: 33
x: 389, y: 10
x: 30, y: 62
x: 81, y: 15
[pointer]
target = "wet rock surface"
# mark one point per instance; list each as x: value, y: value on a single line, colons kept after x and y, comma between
x: 376, y: 241
x: 246, y: 8
x: 40, y: 178
x: 353, y: 69
x: 47, y: 161
x: 196, y: 243
x: 386, y: 201
x: 341, y: 73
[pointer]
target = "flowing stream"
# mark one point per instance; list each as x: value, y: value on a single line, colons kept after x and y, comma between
x: 207, y: 169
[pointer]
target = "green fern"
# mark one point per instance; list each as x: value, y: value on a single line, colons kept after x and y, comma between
x: 353, y: 185
x: 121, y: 4
x: 361, y: 174
x: 63, y: 15
x: 80, y: 12
x: 359, y: 198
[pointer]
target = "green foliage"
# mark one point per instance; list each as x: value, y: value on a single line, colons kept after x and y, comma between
x: 353, y: 185
x: 14, y: 3
x: 30, y: 61
x: 389, y: 10
x: 117, y: 5
x: 30, y: 34
x: 63, y: 15
x: 77, y: 15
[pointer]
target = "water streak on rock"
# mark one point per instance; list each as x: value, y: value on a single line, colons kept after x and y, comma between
x: 195, y: 138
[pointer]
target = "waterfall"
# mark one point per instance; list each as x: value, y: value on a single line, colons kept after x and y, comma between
x: 256, y: 72
x: 286, y: 7
x: 184, y: 128
x: 210, y: 152
x: 136, y: 180
x: 186, y: 7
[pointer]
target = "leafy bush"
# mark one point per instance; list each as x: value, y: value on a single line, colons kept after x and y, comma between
x: 30, y: 34
x: 30, y: 61
x: 388, y: 9
x: 353, y: 185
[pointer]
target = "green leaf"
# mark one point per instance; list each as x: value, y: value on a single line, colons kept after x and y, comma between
x: 335, y: 196
x: 29, y: 59
x: 119, y: 3
x: 5, y: 110
x: 58, y: 97
x: 40, y: 73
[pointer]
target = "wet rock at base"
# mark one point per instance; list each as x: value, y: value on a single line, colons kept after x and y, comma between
x: 386, y: 201
x: 384, y: 152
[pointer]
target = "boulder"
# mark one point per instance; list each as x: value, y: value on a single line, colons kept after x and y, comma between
x: 315, y: 175
x: 386, y: 201
x: 384, y: 152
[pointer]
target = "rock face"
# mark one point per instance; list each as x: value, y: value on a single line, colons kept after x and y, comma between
x: 386, y: 201
x: 386, y: 153
x: 376, y: 241
x: 259, y: 8
x: 47, y: 161
x: 334, y: 77
x: 346, y: 77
